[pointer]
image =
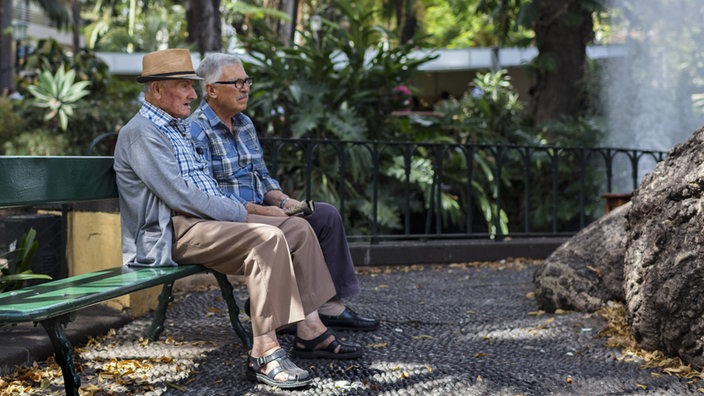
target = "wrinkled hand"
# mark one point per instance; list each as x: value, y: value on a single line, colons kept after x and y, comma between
x: 291, y: 203
x: 263, y: 210
x: 305, y: 208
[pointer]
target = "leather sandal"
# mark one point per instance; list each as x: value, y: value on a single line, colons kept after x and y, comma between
x: 295, y: 376
x: 309, y: 351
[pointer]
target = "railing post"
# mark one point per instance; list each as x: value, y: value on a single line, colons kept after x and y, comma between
x: 309, y: 146
x: 438, y: 188
x: 555, y: 173
x: 469, y: 160
x: 582, y: 177
x: 497, y: 194
x: 375, y: 194
x: 407, y: 161
x: 526, y: 188
x: 342, y: 190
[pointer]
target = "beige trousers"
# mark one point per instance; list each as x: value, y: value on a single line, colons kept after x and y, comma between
x: 280, y: 257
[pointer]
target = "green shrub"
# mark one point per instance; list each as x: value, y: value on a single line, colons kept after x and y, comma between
x: 12, y: 121
x: 489, y: 113
x: 16, y: 270
x: 106, y: 113
x: 338, y: 83
x: 109, y: 103
x: 39, y: 142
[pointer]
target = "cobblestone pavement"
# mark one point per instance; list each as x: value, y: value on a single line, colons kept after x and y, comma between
x: 446, y: 330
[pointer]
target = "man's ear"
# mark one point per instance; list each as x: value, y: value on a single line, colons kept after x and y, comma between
x: 210, y: 90
x: 157, y: 88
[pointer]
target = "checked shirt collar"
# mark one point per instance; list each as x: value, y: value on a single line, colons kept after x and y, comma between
x: 193, y: 166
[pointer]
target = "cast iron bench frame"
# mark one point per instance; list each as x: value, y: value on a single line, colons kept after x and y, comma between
x: 30, y: 181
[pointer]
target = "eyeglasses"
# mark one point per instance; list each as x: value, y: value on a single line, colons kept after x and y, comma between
x: 239, y: 83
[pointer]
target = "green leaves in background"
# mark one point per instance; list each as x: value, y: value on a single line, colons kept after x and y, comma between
x: 13, y: 280
x: 58, y: 93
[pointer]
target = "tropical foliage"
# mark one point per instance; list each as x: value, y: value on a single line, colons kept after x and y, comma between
x: 337, y: 83
x: 475, y: 23
x: 58, y: 94
x: 333, y: 81
x: 114, y: 25
x: 77, y: 89
x: 16, y: 271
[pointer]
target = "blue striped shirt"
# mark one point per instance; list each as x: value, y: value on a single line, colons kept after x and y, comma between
x: 237, y: 158
x: 192, y: 163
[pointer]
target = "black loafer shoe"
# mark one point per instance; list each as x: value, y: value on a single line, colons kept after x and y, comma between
x: 349, y: 320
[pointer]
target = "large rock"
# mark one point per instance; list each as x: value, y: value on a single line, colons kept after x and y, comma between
x: 664, y: 260
x: 585, y: 272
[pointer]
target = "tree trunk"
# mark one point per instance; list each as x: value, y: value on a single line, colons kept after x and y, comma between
x: 7, y: 64
x: 562, y: 32
x: 203, y: 18
x: 408, y: 29
x: 76, y: 29
x: 286, y: 30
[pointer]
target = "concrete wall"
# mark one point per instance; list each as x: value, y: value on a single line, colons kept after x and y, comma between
x: 93, y: 243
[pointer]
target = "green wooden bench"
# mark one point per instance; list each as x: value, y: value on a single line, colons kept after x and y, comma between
x: 30, y: 181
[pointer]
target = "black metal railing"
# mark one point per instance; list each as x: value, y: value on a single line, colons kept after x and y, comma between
x: 403, y: 190
x: 408, y: 190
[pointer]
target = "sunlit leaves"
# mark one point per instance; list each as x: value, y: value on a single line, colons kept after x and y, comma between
x: 58, y: 93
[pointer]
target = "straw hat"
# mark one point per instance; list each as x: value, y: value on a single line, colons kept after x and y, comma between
x: 168, y: 64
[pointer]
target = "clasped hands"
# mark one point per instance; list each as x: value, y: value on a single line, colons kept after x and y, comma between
x: 292, y: 207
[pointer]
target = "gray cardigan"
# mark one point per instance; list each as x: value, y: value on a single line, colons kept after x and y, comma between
x: 151, y: 189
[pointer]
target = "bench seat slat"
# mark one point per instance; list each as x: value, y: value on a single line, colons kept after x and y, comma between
x: 64, y: 296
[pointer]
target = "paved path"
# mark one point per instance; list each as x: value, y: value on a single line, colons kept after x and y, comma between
x: 446, y: 330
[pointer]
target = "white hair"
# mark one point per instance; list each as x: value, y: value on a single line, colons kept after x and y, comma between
x: 210, y: 68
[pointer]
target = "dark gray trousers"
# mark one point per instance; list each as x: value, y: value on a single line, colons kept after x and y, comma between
x: 328, y: 226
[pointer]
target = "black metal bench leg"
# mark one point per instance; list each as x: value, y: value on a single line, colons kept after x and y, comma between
x: 63, y: 352
x: 157, y: 325
x: 227, y: 290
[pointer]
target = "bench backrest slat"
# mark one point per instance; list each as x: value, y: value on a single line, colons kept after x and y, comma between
x: 26, y: 181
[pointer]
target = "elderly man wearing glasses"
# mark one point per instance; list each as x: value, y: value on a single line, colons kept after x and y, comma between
x: 230, y: 140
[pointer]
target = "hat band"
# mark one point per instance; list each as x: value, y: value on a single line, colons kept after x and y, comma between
x: 170, y: 74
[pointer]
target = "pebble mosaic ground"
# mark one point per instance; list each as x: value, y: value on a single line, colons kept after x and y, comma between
x: 446, y: 330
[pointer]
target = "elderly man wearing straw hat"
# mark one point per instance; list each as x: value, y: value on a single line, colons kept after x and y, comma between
x: 172, y: 211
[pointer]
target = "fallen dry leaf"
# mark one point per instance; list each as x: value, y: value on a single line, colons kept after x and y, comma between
x: 618, y: 335
x: 597, y: 271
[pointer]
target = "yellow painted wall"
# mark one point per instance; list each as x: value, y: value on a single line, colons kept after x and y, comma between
x: 93, y: 243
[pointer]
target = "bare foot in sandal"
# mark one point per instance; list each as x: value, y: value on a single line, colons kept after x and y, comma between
x: 276, y: 369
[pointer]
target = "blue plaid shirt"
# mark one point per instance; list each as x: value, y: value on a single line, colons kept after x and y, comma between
x: 237, y: 159
x: 192, y: 162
